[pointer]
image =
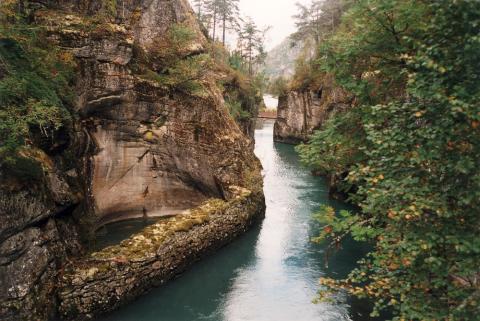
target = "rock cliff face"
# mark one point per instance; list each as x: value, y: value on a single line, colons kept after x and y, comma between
x: 105, y: 280
x: 39, y: 229
x: 159, y: 151
x: 300, y: 113
x: 136, y: 148
x: 280, y: 61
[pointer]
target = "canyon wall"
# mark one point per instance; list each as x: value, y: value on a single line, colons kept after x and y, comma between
x: 138, y: 146
x: 301, y: 112
x: 37, y: 233
x: 159, y: 150
x: 118, y: 274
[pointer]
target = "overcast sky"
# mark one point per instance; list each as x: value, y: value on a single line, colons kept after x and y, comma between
x: 275, y: 13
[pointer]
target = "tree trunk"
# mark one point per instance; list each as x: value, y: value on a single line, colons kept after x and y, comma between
x: 214, y: 24
x: 250, y: 54
x: 224, y: 28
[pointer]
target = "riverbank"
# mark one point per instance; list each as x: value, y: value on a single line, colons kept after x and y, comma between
x: 105, y: 280
x: 269, y: 274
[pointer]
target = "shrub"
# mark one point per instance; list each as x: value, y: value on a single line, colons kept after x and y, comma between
x: 236, y: 110
x: 35, y: 89
x: 278, y: 87
x: 175, y: 71
x: 419, y: 185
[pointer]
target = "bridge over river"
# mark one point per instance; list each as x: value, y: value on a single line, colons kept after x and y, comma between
x: 268, y: 114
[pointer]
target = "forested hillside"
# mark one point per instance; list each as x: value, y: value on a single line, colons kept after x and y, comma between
x: 410, y: 148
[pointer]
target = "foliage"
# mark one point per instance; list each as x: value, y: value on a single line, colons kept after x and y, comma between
x: 317, y: 19
x: 24, y: 168
x: 8, y: 11
x: 306, y: 73
x: 35, y: 90
x: 414, y: 66
x: 278, y: 87
x: 236, y: 110
x: 251, y: 45
x: 243, y: 94
x: 228, y: 13
x: 183, y: 75
x: 211, y: 13
x: 237, y: 62
x: 367, y: 53
x: 315, y: 23
x: 175, y: 45
x: 177, y: 70
x: 250, y: 50
x: 336, y: 148
x: 111, y: 7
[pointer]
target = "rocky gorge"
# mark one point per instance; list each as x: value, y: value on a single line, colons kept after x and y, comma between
x: 302, y: 111
x: 141, y: 143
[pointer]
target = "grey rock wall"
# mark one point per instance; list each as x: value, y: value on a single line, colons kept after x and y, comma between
x: 37, y: 233
x: 301, y: 112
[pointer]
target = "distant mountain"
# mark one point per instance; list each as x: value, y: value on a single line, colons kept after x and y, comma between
x: 280, y: 60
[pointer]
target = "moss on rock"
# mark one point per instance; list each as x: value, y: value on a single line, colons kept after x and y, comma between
x: 107, y: 279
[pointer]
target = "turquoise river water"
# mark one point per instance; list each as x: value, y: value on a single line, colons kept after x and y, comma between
x: 269, y: 274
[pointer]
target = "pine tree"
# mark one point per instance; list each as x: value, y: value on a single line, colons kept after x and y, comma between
x: 219, y: 13
x: 318, y: 19
x: 251, y: 40
x: 228, y: 12
x: 212, y: 14
x: 199, y: 6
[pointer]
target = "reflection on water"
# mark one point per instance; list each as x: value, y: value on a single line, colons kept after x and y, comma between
x: 114, y: 233
x: 269, y: 274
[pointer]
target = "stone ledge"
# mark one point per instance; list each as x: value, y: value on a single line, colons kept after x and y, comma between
x: 105, y: 280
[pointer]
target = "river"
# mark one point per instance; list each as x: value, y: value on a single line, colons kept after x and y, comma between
x: 269, y: 274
